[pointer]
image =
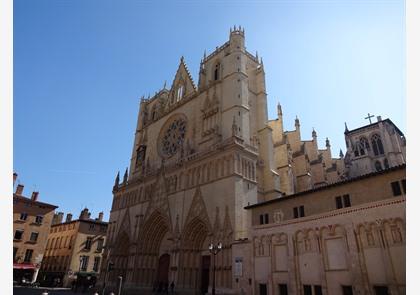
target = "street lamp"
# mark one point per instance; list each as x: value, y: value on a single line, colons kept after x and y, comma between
x: 214, y: 250
x: 80, y: 264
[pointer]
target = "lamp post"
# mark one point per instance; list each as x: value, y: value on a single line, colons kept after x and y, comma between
x: 80, y: 264
x: 214, y: 249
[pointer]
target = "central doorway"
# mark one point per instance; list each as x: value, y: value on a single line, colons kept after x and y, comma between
x: 163, y: 270
x: 205, y: 273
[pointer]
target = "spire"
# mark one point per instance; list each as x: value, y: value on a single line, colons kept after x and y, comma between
x: 117, y: 179
x: 327, y: 143
x: 341, y: 154
x: 164, y: 85
x: 279, y: 111
x: 125, y: 175
x: 313, y: 133
x: 346, y: 129
x: 297, y: 123
x: 204, y: 56
x: 256, y: 55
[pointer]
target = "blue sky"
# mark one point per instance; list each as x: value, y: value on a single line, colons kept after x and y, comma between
x: 81, y: 66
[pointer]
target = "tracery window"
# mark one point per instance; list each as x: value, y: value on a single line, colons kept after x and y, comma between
x: 141, y: 155
x: 216, y: 72
x: 154, y: 113
x: 386, y: 164
x: 173, y: 137
x: 179, y: 93
x: 378, y: 148
x: 378, y: 166
x: 364, y: 145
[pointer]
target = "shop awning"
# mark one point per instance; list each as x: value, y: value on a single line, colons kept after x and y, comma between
x: 23, y: 266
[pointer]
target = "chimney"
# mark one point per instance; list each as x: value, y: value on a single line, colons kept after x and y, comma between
x: 101, y: 216
x: 58, y: 218
x: 69, y: 216
x: 14, y: 178
x: 84, y: 215
x: 34, y: 196
x: 19, y: 189
x: 379, y: 118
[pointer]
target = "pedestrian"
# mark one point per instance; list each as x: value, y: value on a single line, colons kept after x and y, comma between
x: 172, y: 287
x: 166, y: 287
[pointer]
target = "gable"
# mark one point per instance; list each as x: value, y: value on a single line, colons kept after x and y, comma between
x: 183, y: 84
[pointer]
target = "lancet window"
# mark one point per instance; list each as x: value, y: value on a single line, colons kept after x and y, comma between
x: 378, y: 148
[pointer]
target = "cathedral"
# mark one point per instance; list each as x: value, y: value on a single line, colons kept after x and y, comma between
x: 203, y: 156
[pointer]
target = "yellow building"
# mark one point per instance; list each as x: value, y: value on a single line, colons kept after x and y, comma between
x: 74, y: 250
x: 201, y: 154
x: 31, y: 224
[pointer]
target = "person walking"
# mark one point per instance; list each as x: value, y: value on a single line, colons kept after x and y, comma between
x: 172, y: 287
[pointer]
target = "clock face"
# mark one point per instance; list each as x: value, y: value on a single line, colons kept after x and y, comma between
x: 173, y: 137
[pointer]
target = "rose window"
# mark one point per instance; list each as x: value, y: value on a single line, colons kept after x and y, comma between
x: 173, y: 137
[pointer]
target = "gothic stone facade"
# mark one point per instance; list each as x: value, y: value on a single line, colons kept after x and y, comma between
x: 200, y: 155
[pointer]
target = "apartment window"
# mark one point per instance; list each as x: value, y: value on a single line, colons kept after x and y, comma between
x: 347, y: 290
x: 318, y: 290
x: 23, y: 216
x: 346, y: 199
x: 88, y: 243
x: 264, y: 218
x: 28, y: 255
x: 34, y: 236
x: 396, y: 189
x: 283, y: 289
x: 18, y: 234
x: 100, y: 244
x: 263, y: 289
x: 298, y: 212
x: 307, y: 289
x: 39, y: 218
x: 96, y: 264
x: 14, y: 253
x: 380, y: 290
x: 403, y: 185
x: 91, y: 226
x: 310, y: 290
x: 338, y: 202
x: 342, y: 201
x: 84, y: 260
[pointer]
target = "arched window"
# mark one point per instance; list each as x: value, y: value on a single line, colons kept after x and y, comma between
x: 179, y: 92
x: 361, y: 148
x: 378, y: 166
x: 386, y: 164
x: 154, y: 114
x: 364, y: 143
x: 216, y: 72
x: 378, y: 148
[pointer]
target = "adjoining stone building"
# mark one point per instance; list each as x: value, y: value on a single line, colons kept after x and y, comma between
x: 201, y: 154
x: 31, y: 224
x: 74, y: 250
x: 342, y: 238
